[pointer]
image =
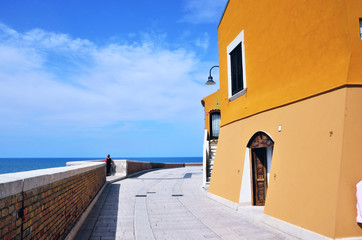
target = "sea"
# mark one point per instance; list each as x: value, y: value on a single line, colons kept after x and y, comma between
x: 11, y: 165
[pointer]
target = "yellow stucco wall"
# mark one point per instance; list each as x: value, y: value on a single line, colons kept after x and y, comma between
x: 293, y: 50
x: 315, y: 171
x: 351, y: 166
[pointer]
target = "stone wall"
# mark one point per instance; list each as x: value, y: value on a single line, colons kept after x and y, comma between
x: 46, y: 204
x: 134, y: 166
x: 128, y: 167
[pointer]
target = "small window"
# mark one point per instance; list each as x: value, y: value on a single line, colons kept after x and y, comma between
x: 236, y: 67
x: 236, y: 70
x: 360, y: 28
x: 214, y: 125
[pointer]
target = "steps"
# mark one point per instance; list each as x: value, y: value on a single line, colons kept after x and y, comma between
x: 210, y: 161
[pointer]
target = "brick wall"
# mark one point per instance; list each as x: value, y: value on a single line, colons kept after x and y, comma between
x: 10, y: 223
x: 51, y: 210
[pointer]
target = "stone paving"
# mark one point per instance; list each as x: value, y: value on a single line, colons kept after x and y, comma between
x: 168, y: 204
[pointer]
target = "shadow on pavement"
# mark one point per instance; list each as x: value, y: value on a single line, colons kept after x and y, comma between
x: 102, y: 221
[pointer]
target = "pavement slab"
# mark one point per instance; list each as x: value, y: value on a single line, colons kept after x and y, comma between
x: 168, y: 204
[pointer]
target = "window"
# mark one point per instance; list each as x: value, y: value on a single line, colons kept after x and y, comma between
x: 214, y: 125
x: 236, y: 70
x: 236, y: 67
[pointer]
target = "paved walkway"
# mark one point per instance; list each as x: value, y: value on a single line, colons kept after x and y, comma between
x: 168, y: 204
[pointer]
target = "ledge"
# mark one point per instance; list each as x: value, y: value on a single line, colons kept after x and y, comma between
x: 14, y: 183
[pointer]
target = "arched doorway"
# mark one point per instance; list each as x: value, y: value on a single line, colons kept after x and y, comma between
x: 261, y: 148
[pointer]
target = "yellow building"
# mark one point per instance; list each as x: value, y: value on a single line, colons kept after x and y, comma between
x: 291, y: 111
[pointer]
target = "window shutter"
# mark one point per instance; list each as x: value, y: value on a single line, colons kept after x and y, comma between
x: 236, y: 69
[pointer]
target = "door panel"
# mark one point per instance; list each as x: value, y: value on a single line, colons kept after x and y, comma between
x: 259, y: 175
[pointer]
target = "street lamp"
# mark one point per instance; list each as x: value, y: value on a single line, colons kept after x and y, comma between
x: 210, y: 80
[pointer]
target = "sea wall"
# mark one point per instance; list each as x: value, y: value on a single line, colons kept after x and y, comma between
x: 126, y: 167
x: 134, y: 166
x: 46, y: 204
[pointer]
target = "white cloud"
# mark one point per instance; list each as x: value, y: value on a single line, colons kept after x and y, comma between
x: 203, y: 42
x: 203, y: 11
x: 49, y: 79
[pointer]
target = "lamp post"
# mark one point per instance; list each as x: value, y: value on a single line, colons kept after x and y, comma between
x: 210, y: 80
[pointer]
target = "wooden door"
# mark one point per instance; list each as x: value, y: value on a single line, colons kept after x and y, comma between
x: 259, y: 175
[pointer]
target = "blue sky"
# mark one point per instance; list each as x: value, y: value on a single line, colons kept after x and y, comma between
x: 88, y: 78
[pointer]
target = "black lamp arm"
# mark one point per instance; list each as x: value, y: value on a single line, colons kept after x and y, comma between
x: 211, y: 69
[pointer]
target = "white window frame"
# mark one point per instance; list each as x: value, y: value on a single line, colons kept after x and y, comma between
x: 229, y: 48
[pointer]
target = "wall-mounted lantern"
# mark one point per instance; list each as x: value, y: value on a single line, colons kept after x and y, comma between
x: 210, y: 80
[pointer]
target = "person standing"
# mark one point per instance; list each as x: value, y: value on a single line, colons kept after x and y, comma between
x: 109, y: 161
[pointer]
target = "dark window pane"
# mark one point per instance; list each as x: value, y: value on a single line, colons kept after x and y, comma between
x: 214, y: 125
x: 236, y: 69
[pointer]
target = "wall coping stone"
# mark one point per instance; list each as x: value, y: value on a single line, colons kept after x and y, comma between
x: 14, y: 183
